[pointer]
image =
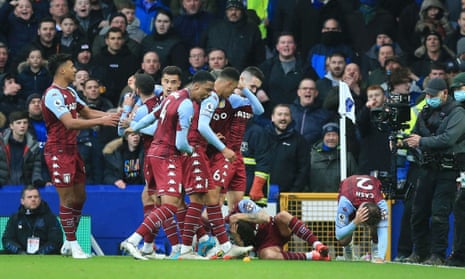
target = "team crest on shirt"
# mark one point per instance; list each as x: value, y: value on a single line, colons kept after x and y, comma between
x: 222, y: 103
x: 58, y: 103
x: 210, y: 107
x: 341, y: 218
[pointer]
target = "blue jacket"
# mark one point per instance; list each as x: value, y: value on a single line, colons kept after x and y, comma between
x: 319, y: 52
x: 147, y: 16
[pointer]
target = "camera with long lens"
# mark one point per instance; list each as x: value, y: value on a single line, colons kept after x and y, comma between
x: 394, y: 114
x: 456, y: 65
x: 393, y: 117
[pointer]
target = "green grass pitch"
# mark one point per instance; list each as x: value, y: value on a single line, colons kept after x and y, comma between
x: 114, y: 267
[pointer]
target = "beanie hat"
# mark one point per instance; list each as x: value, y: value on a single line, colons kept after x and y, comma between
x: 234, y: 4
x: 330, y: 127
x: 31, y: 97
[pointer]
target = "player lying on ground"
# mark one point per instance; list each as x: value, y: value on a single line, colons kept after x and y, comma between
x: 252, y: 225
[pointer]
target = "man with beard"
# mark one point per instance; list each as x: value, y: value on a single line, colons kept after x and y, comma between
x: 287, y: 145
x: 332, y: 40
x: 335, y: 63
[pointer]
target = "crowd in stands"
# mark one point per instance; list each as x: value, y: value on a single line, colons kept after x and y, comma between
x: 380, y: 48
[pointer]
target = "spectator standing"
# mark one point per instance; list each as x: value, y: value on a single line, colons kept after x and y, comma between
x: 92, y: 140
x: 332, y: 40
x: 45, y: 40
x: 146, y: 11
x: 33, y: 76
x: 336, y: 64
x: 192, y: 22
x: 434, y: 51
x: 61, y: 153
x: 18, y: 25
x: 69, y: 36
x: 166, y: 42
x: 89, y: 22
x: 57, y: 10
x: 128, y: 8
x: 240, y: 39
x: 325, y: 168
x: 118, y: 63
x: 371, y: 60
x: 33, y: 229
x: 22, y: 152
x: 283, y: 73
x: 287, y: 145
x: 433, y: 17
x: 84, y: 60
x: 120, y: 21
x: 308, y: 113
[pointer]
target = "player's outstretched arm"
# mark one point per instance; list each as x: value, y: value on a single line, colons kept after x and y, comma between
x: 79, y: 124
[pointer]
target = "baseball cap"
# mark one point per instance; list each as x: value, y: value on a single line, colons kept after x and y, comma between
x: 434, y: 86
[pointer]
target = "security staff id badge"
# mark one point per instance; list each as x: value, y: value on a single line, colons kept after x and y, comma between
x: 33, y: 244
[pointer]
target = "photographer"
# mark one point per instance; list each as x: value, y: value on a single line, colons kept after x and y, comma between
x: 439, y: 134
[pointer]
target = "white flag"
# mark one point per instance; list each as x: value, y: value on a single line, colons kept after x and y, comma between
x: 346, y: 102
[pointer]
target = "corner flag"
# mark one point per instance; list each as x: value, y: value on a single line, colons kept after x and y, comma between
x: 346, y: 102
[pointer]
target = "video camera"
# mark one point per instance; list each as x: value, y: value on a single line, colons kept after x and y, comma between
x: 394, y: 113
x: 393, y: 117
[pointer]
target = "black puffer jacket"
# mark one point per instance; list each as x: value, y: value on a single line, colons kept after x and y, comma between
x: 32, y: 166
x: 40, y: 223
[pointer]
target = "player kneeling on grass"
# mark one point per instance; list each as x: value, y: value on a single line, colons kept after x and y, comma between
x: 252, y: 225
x: 361, y: 202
